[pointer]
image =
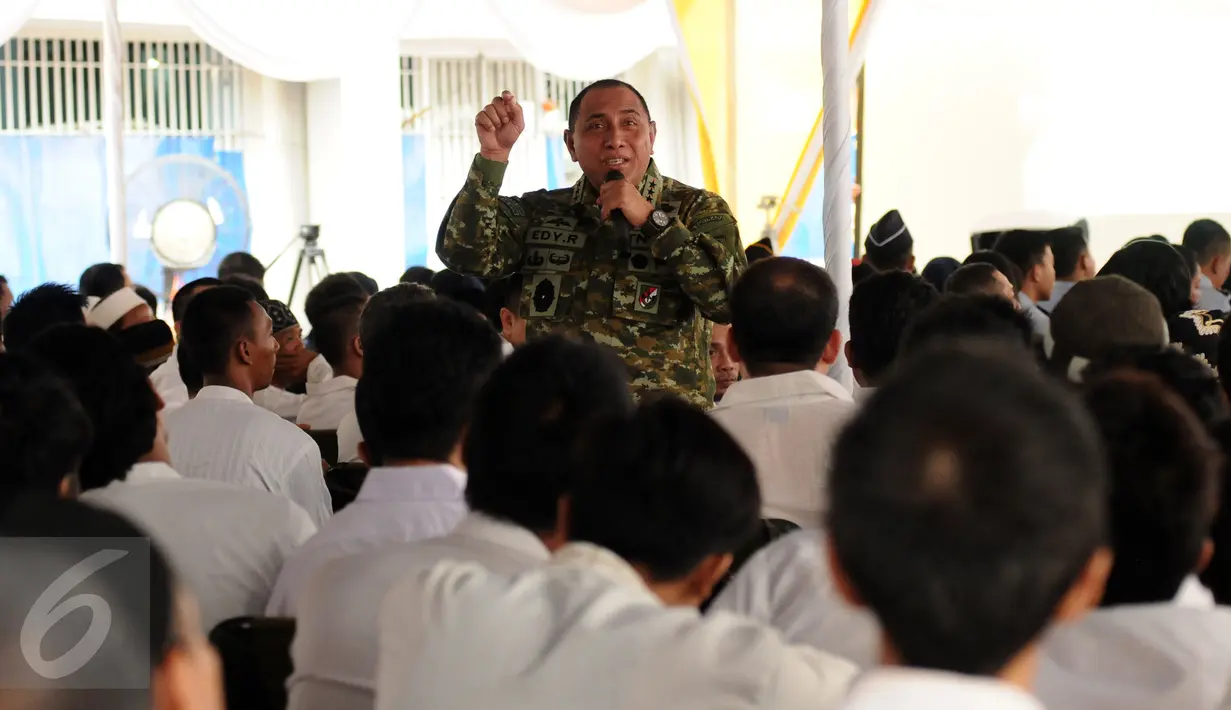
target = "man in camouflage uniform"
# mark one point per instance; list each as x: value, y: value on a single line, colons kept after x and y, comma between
x: 650, y: 298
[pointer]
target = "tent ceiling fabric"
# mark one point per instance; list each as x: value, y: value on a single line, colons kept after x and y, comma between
x: 600, y: 6
x: 13, y: 14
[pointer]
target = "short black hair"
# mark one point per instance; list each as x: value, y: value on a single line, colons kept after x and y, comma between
x: 882, y: 307
x: 101, y: 280
x: 215, y: 320
x: 463, y: 289
x: 665, y: 488
x: 1024, y: 247
x: 1067, y: 246
x: 783, y: 311
x: 1185, y: 375
x: 148, y: 296
x: 241, y: 263
x: 44, y: 432
x: 249, y: 284
x: 1208, y: 239
x: 113, y: 390
x: 378, y: 314
x: 502, y: 293
x: 967, y: 496
x: 1002, y: 264
x: 973, y: 279
x: 420, y: 380
x: 1159, y: 268
x: 368, y: 283
x: 332, y: 290
x: 417, y: 275
x: 1164, y: 490
x: 180, y: 302
x: 334, y: 330
x: 954, y: 317
x: 574, y: 108
x: 190, y: 374
x: 938, y: 271
x: 520, y: 445
x: 38, y: 309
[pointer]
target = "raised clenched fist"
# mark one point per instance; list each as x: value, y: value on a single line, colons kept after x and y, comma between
x: 499, y: 125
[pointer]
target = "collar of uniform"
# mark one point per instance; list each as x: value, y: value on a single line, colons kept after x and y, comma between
x: 150, y: 471
x: 484, y: 528
x: 602, y: 561
x: 409, y: 484
x: 790, y: 384
x: 651, y: 187
x: 909, y: 687
x: 331, y: 385
x: 221, y: 392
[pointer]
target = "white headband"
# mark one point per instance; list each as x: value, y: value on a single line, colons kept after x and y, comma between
x: 105, y: 312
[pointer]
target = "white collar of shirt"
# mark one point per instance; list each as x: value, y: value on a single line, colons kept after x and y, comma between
x: 220, y: 392
x: 790, y: 384
x: 884, y: 688
x: 477, y: 526
x: 602, y: 561
x: 333, y: 384
x: 1194, y: 595
x: 1026, y: 301
x: 1205, y: 281
x: 402, y: 484
x: 151, y: 471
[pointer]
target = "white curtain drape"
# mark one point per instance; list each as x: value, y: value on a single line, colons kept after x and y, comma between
x: 13, y: 14
x: 294, y: 40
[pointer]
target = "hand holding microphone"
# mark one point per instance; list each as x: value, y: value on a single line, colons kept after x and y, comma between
x: 624, y: 206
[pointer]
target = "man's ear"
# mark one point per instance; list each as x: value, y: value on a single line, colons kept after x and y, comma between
x: 910, y: 264
x: 357, y: 347
x: 70, y: 487
x: 1207, y: 554
x: 830, y: 355
x: 841, y: 582
x: 705, y: 576
x: 243, y: 350
x: 365, y: 455
x: 1087, y: 591
x: 507, y: 320
x: 568, y: 143
x: 653, y: 135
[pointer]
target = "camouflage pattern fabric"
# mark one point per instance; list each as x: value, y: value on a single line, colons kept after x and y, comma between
x: 652, y: 306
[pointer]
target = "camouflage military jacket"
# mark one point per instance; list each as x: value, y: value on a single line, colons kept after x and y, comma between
x: 652, y: 306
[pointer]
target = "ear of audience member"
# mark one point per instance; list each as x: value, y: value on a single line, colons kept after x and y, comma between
x: 1184, y: 375
x: 1002, y: 264
x: 417, y: 275
x: 889, y: 245
x: 38, y: 309
x: 227, y: 337
x: 938, y: 271
x: 44, y: 433
x: 422, y: 376
x: 527, y: 420
x: 956, y: 317
x: 155, y: 643
x: 881, y: 309
x: 783, y: 312
x: 502, y: 306
x: 968, y: 527
x: 6, y: 297
x: 114, y: 391
x: 102, y: 280
x: 979, y: 279
x: 332, y: 290
x: 243, y: 264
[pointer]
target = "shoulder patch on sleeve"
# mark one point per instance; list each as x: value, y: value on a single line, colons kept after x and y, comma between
x: 512, y: 207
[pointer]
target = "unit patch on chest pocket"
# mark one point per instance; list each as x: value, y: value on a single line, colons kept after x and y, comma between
x: 648, y: 296
x: 544, y: 295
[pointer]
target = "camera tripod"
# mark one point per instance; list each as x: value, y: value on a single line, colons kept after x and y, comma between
x: 310, y: 254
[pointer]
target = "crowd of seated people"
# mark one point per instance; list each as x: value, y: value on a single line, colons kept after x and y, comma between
x: 1019, y: 506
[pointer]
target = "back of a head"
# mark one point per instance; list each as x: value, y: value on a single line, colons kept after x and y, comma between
x: 417, y: 275
x: 1184, y: 375
x: 882, y: 307
x: 422, y: 374
x: 1208, y: 240
x: 1158, y: 268
x: 664, y: 488
x: 1068, y: 244
x: 1024, y: 247
x: 102, y: 280
x: 241, y: 263
x: 44, y: 432
x: 463, y: 289
x: 520, y: 444
x: 179, y: 303
x: 331, y: 291
x: 38, y: 309
x: 938, y: 271
x: 1000, y: 262
x: 501, y: 294
x: 1164, y: 486
x: 115, y: 393
x: 148, y: 296
x: 1099, y: 318
x: 783, y: 311
x: 249, y: 284
x: 962, y: 317
x: 889, y: 245
x: 369, y: 285
x: 381, y: 308
x: 974, y: 279
x: 214, y: 321
x: 967, y: 497
x: 337, y: 327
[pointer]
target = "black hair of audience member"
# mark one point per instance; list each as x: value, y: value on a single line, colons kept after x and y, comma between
x: 382, y: 307
x: 422, y: 375
x: 1217, y: 574
x: 861, y: 271
x: 1024, y: 247
x: 1208, y: 240
x: 938, y: 271
x: 463, y: 289
x: 333, y: 290
x: 1164, y: 486
x: 190, y: 374
x: 1159, y: 268
x: 368, y: 283
x: 1068, y: 244
x: 665, y: 489
x: 247, y: 283
x: 38, y: 309
x: 882, y: 307
x: 337, y: 329
x: 520, y: 445
x: 974, y: 279
x: 215, y: 320
x: 783, y: 313
x: 889, y: 244
x: 244, y: 264
x: 147, y: 296
x: 968, y: 506
x: 44, y: 432
x: 1190, y: 259
x: 179, y: 303
x: 963, y: 317
x: 114, y: 391
x: 501, y: 294
x: 1002, y: 264
x: 1186, y: 376
x: 417, y: 275
x: 102, y: 280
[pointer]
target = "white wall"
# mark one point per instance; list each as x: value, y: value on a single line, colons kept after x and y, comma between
x: 1114, y: 110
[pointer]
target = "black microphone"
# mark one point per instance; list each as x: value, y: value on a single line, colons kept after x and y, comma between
x: 620, y: 223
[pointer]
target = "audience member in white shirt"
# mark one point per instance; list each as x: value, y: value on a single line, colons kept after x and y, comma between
x: 1030, y: 251
x: 221, y: 435
x: 335, y: 333
x: 503, y: 309
x: 1157, y: 641
x: 289, y: 335
x: 1212, y: 245
x: 723, y: 366
x: 166, y: 378
x: 882, y: 307
x: 967, y: 528
x: 414, y: 403
x: 786, y: 412
x: 1074, y: 263
x: 663, y: 499
x: 519, y: 454
x: 227, y: 541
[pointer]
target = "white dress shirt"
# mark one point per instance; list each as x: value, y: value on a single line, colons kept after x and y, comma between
x: 788, y: 585
x: 1038, y: 319
x: 1141, y: 657
x: 1211, y: 298
x: 788, y: 424
x: 319, y: 370
x: 168, y: 384
x: 335, y: 647
x: 222, y: 436
x: 914, y: 689
x: 393, y: 505
x: 226, y: 541
x: 349, y: 438
x: 328, y: 402
x: 1059, y: 291
x: 279, y: 401
x: 583, y: 632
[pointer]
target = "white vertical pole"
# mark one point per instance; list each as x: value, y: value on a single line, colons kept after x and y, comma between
x: 113, y: 130
x: 839, y: 235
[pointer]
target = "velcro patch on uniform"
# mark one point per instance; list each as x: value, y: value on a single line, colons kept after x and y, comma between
x: 641, y: 262
x: 711, y: 219
x: 648, y: 297
x: 512, y: 207
x: 544, y: 292
x: 545, y: 259
x: 541, y: 235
